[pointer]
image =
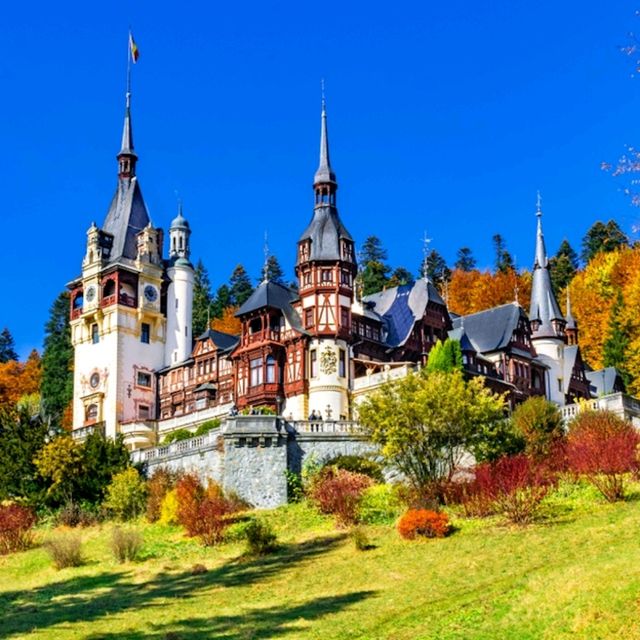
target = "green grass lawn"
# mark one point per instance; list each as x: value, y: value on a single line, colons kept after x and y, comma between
x: 575, y: 575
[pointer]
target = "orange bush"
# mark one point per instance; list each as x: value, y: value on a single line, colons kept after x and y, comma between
x: 422, y: 522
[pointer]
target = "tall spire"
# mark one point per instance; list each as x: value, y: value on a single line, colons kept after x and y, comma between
x: 127, y: 156
x: 324, y: 182
x: 545, y: 315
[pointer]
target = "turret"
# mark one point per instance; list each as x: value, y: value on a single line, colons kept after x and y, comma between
x: 571, y: 328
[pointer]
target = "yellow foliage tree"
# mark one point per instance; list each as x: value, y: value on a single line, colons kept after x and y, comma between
x: 228, y: 323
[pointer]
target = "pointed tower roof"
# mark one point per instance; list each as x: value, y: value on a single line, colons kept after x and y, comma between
x: 544, y: 310
x: 325, y: 229
x: 324, y: 174
x: 571, y: 321
x: 127, y: 214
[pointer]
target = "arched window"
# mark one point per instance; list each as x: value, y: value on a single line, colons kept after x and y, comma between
x: 77, y: 300
x: 271, y: 369
x: 91, y: 414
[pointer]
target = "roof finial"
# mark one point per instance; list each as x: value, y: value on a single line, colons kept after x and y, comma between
x: 425, y: 256
x: 538, y: 204
x: 324, y: 174
x: 265, y: 268
x: 324, y: 102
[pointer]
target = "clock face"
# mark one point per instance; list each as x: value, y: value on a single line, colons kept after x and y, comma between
x: 150, y: 293
x: 91, y: 293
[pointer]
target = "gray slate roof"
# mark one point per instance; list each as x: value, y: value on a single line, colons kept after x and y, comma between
x: 324, y: 174
x: 276, y: 296
x: 325, y: 232
x: 127, y: 216
x: 491, y: 330
x: 604, y: 381
x: 224, y: 341
x: 401, y: 307
x: 544, y: 306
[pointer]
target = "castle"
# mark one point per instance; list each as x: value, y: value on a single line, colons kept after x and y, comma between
x: 140, y: 372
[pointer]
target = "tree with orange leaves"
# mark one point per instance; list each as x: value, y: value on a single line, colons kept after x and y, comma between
x: 228, y: 323
x: 19, y: 379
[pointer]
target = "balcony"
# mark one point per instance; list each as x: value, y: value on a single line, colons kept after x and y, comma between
x: 623, y: 405
x: 373, y: 380
x: 347, y: 427
x: 84, y: 432
x: 139, y: 434
x: 268, y: 335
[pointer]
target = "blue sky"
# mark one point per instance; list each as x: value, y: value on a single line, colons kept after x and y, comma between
x: 444, y: 117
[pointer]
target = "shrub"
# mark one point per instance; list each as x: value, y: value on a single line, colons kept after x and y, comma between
x: 338, y: 492
x: 295, y: 490
x: 207, y: 426
x: 16, y: 524
x: 177, y: 436
x: 126, y: 494
x: 65, y: 550
x: 161, y: 481
x: 125, y: 544
x: 261, y: 538
x: 212, y: 520
x: 513, y: 485
x: 603, y: 447
x: 358, y: 464
x: 380, y: 504
x: 539, y: 423
x: 169, y: 508
x: 425, y: 523
x: 360, y: 539
x: 189, y: 494
x: 73, y: 514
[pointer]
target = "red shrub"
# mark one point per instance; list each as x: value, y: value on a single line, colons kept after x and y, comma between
x: 16, y: 523
x: 422, y: 522
x: 604, y: 448
x: 189, y: 494
x: 213, y: 519
x: 338, y: 492
x: 513, y: 485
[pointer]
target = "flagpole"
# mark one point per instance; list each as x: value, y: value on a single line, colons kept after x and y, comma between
x: 129, y: 67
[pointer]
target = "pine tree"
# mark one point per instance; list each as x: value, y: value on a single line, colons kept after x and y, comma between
x: 239, y: 286
x: 201, y: 299
x: 616, y: 344
x: 274, y: 271
x: 602, y: 238
x: 504, y: 262
x: 401, y: 276
x: 563, y: 266
x: 56, y: 388
x: 221, y: 301
x: 7, y: 346
x: 435, y: 268
x: 372, y: 251
x: 465, y: 261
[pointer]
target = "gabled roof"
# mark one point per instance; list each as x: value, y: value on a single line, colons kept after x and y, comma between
x: 276, y: 296
x: 126, y: 218
x: 605, y: 381
x: 221, y: 340
x: 400, y: 308
x: 491, y: 330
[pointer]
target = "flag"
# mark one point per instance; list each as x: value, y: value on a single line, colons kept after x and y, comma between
x: 135, y: 52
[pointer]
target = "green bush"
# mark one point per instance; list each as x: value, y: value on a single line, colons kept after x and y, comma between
x: 207, y: 426
x: 126, y: 495
x: 261, y: 538
x: 358, y: 464
x: 177, y: 436
x: 380, y: 504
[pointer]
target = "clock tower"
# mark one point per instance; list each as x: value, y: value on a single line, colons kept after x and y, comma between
x: 118, y: 324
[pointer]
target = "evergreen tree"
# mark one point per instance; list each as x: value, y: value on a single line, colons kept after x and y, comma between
x: 401, y: 276
x: 221, y: 302
x: 602, y: 237
x: 445, y: 357
x: 201, y: 299
x: 7, y: 346
x: 465, y: 261
x: 435, y: 268
x: 239, y: 286
x: 616, y: 344
x: 56, y: 387
x: 374, y: 271
x: 22, y: 435
x: 563, y: 266
x: 504, y: 262
x: 274, y: 271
